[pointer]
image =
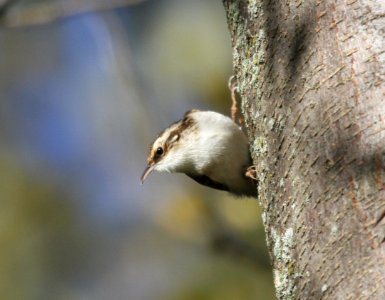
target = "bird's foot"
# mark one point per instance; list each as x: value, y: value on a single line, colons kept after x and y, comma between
x: 251, y: 172
x: 235, y: 112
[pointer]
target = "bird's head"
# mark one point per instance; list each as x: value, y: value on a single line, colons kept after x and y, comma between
x: 167, y: 151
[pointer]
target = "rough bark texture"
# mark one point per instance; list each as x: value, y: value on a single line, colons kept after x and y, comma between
x: 311, y: 75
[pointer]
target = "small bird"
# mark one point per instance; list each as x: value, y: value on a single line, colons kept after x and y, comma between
x: 208, y: 147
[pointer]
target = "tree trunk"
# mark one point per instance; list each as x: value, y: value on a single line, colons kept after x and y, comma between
x: 311, y: 76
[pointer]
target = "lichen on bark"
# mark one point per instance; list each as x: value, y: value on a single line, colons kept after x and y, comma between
x: 311, y: 76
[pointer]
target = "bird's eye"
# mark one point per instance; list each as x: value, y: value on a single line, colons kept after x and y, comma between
x: 159, y: 151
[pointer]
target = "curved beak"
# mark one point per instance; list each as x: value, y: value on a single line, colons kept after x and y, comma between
x: 147, y: 172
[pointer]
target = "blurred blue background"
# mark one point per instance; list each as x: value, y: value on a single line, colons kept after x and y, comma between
x: 85, y: 87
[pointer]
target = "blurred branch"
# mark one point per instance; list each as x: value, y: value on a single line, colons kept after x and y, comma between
x: 226, y: 241
x: 13, y: 14
x: 4, y: 6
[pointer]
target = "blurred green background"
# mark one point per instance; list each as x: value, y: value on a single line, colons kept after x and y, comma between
x: 85, y: 87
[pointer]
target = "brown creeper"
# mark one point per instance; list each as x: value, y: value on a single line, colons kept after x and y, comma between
x: 208, y: 147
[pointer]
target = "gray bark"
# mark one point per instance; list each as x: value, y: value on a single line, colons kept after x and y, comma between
x: 311, y: 76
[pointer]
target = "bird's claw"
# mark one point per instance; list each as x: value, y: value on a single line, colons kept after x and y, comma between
x: 251, y: 172
x: 235, y: 113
